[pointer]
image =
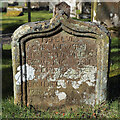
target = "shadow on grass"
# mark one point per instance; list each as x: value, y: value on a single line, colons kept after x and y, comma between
x: 8, y: 19
x: 114, y: 88
x: 7, y: 82
x: 115, y: 59
x: 11, y: 27
x: 6, y: 54
x: 7, y: 78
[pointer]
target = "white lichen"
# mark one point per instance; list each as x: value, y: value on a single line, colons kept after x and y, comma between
x: 85, y: 74
x: 61, y: 95
x: 75, y: 85
x: 72, y: 74
x: 30, y: 71
x: 61, y: 83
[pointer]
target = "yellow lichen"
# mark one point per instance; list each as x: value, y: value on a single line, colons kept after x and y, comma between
x: 13, y: 13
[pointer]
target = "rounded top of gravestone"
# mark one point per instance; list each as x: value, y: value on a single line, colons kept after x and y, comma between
x: 62, y: 6
x: 61, y: 21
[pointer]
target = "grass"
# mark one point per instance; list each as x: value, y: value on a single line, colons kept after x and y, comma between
x: 110, y: 109
x: 105, y: 110
x: 78, y: 11
x: 115, y: 56
x: 14, y: 22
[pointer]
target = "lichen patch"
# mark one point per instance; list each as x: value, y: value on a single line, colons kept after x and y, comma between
x: 30, y: 74
x: 61, y: 95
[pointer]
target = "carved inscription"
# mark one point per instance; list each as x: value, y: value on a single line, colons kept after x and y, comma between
x: 61, y: 62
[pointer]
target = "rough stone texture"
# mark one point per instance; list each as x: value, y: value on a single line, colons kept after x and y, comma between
x: 71, y: 3
x: 63, y: 62
x: 61, y: 6
x: 107, y: 13
x: 15, y: 9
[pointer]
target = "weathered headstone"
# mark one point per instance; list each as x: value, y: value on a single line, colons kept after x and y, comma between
x: 106, y: 13
x: 72, y: 4
x: 61, y: 6
x: 14, y: 11
x: 60, y: 62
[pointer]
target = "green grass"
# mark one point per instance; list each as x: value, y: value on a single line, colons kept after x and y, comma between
x: 16, y: 111
x: 105, y: 110
x: 78, y: 11
x: 115, y: 55
x: 110, y: 109
x: 9, y: 24
x: 6, y: 47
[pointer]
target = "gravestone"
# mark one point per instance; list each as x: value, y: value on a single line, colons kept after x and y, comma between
x: 59, y: 63
x: 61, y: 6
x: 110, y: 16
x: 72, y: 4
x: 14, y: 11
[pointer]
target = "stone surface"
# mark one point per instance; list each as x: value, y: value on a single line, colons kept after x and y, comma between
x: 60, y: 62
x: 14, y: 11
x: 61, y: 6
x: 71, y: 3
x: 106, y: 13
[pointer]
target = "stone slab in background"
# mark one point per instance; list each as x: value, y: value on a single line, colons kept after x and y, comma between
x: 59, y: 63
x: 107, y: 13
x: 62, y: 6
x: 14, y: 11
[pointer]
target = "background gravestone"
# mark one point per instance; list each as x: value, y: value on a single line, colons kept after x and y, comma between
x: 106, y: 13
x: 62, y: 6
x: 59, y: 63
x: 14, y: 11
